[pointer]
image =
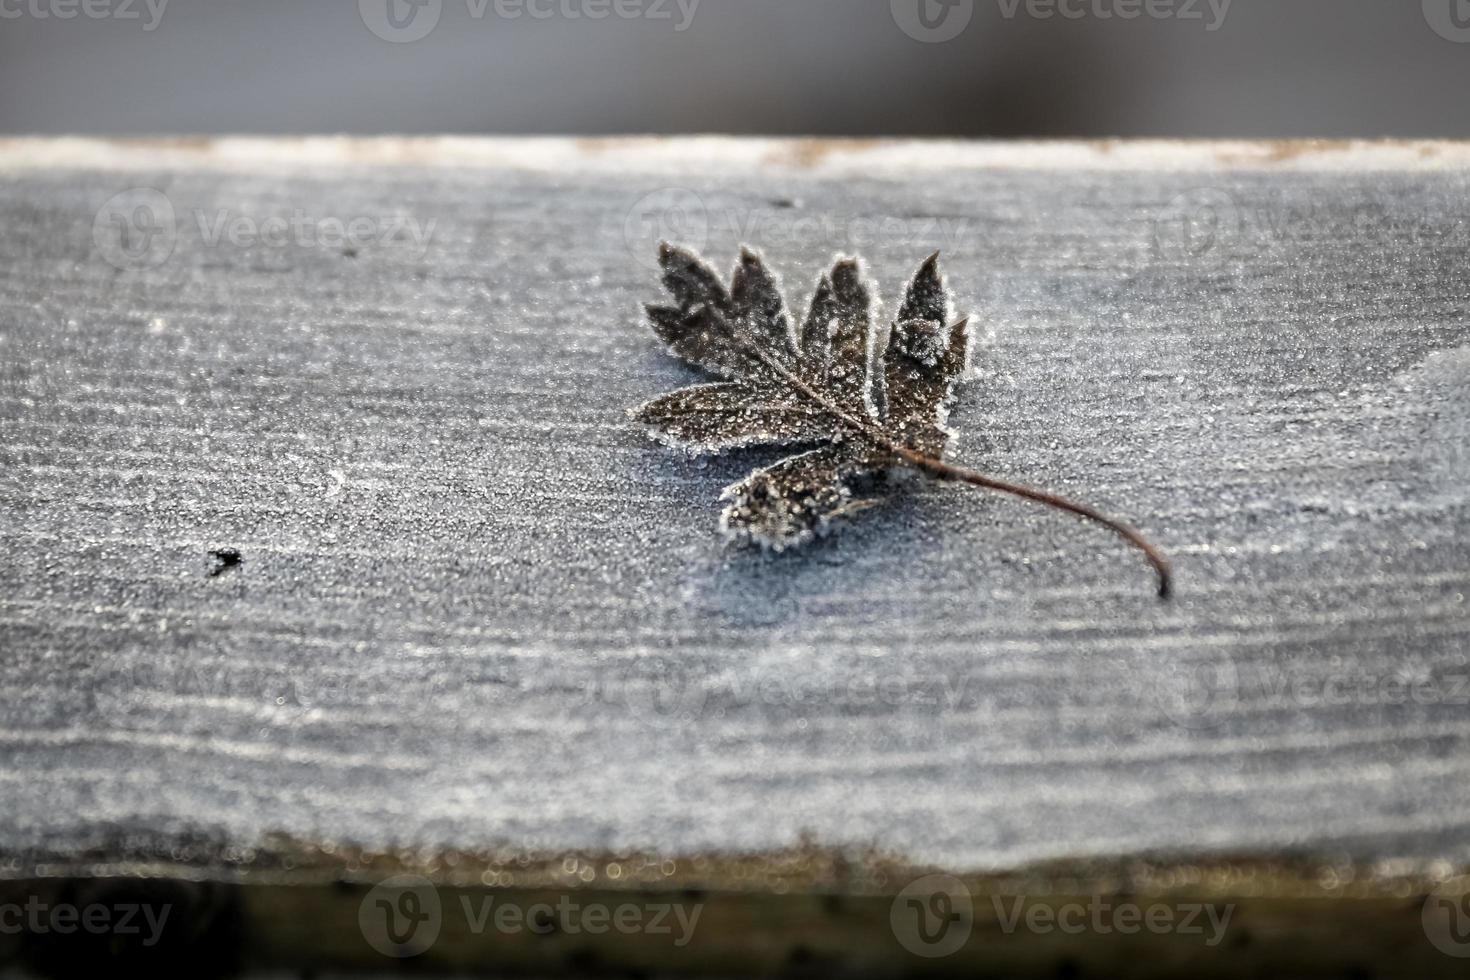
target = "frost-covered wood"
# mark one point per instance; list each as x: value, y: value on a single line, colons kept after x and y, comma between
x: 477, y: 607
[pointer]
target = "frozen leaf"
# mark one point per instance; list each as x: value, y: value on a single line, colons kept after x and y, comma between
x: 745, y: 335
x: 865, y: 400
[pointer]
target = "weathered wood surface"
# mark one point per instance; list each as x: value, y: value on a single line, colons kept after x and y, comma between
x: 478, y: 609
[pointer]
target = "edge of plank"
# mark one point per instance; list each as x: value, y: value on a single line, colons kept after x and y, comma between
x: 805, y: 912
x: 719, y: 154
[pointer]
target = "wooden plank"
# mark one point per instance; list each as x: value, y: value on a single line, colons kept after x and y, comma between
x: 478, y: 611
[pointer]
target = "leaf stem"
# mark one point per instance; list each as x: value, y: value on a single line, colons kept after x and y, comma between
x: 940, y: 470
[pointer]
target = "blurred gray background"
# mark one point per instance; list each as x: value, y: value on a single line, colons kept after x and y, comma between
x: 932, y: 67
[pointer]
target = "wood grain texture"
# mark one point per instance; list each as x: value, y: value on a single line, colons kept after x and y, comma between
x: 478, y: 608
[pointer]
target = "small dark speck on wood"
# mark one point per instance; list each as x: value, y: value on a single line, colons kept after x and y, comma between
x: 224, y: 559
